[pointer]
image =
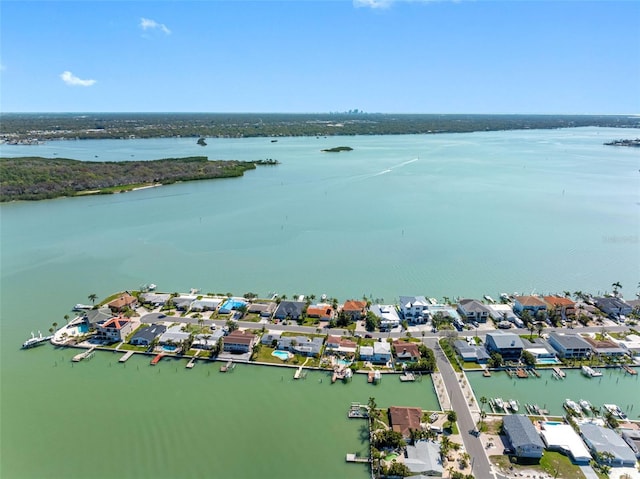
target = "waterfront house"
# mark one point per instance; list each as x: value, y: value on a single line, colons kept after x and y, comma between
x: 123, y: 302
x: 631, y: 344
x: 302, y: 345
x: 387, y: 314
x: 183, y: 302
x: 533, y: 304
x: 207, y: 341
x: 600, y: 439
x: 289, y: 310
x: 471, y: 352
x: 355, y: 309
x: 586, y: 310
x: 94, y: 316
x: 336, y: 344
x: 561, y: 305
x: 503, y: 312
x: 155, y: 299
x: 404, y: 419
x: 173, y: 335
x: 145, y: 336
x: 406, y: 351
x: 613, y: 307
x: 509, y: 345
x: 205, y: 304
x: 473, y: 310
x: 424, y: 458
x: 564, y: 439
x: 232, y: 304
x: 265, y: 310
x: 322, y: 311
x: 114, y: 330
x: 239, y: 342
x: 569, y: 346
x: 445, y: 309
x: 605, y: 347
x: 632, y: 438
x: 269, y: 338
x: 379, y: 353
x: 541, y: 350
x: 523, y: 436
x: 414, y: 309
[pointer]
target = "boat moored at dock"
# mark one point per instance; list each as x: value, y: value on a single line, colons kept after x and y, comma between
x: 572, y: 406
x: 35, y: 340
x: 590, y: 372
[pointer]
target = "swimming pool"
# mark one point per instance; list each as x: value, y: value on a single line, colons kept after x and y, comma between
x: 343, y: 362
x: 547, y: 361
x: 83, y: 328
x: 284, y: 355
x: 169, y: 348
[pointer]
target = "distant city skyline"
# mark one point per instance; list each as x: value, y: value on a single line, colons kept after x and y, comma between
x: 376, y: 56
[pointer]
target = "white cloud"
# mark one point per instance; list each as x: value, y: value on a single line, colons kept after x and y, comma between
x: 372, y: 3
x: 72, y: 80
x: 146, y: 24
x: 386, y: 3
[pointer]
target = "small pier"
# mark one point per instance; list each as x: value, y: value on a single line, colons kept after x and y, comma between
x: 157, y: 359
x: 629, y: 370
x: 191, y: 363
x: 559, y: 372
x: 370, y: 376
x: 298, y: 373
x: 521, y: 373
x: 88, y: 354
x: 358, y: 411
x: 126, y: 356
x: 407, y: 377
x: 535, y: 372
x: 356, y: 458
x: 486, y: 373
x: 227, y: 367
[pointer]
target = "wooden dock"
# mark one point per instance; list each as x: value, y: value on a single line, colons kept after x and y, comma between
x: 126, y: 356
x: 298, y: 373
x: 521, y: 373
x: 407, y: 377
x: 356, y: 458
x: 227, y: 367
x: 486, y: 373
x: 84, y: 355
x: 157, y: 359
x: 370, y: 376
x: 629, y: 370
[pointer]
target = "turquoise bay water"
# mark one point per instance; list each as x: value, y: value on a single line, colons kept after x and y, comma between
x: 466, y: 214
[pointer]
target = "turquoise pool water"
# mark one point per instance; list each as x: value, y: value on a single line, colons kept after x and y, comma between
x: 547, y: 361
x: 231, y: 304
x: 343, y: 362
x: 83, y: 328
x: 169, y: 348
x: 284, y: 355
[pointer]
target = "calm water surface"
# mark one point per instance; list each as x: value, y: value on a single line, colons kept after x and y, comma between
x: 613, y: 387
x: 464, y: 214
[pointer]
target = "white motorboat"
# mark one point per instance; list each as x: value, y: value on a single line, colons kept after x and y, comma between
x: 499, y: 403
x: 585, y: 405
x: 590, y: 372
x: 572, y: 406
x: 513, y: 405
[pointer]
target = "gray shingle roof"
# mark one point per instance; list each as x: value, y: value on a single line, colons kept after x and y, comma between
x: 603, y: 439
x: 506, y: 340
x: 521, y: 431
x: 149, y: 332
x: 570, y: 341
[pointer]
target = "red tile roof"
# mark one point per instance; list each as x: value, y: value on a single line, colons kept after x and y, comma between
x: 319, y: 311
x: 116, y: 323
x: 353, y: 305
x: 240, y: 337
x: 403, y: 347
x: 530, y: 301
x: 403, y: 419
x: 124, y: 300
x: 558, y: 301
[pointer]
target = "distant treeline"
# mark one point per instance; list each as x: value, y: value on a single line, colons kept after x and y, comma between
x: 19, y: 126
x: 34, y: 178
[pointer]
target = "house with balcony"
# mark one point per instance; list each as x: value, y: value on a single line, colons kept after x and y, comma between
x: 406, y: 351
x: 523, y: 436
x: 415, y: 309
x: 122, y: 303
x: 569, y: 346
x: 355, y: 309
x: 114, y: 330
x: 533, y: 304
x: 508, y: 345
x: 239, y: 342
x: 473, y: 310
x: 561, y: 306
x: 338, y: 345
x: 387, y: 314
x: 379, y: 353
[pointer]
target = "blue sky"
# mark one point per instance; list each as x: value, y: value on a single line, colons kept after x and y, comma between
x: 305, y: 56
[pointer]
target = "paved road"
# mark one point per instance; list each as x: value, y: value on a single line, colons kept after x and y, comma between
x: 481, y: 467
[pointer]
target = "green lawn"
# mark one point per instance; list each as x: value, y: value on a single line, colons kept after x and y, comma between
x: 550, y: 463
x: 131, y: 347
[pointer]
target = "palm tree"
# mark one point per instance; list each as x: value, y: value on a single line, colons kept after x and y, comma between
x: 539, y: 327
x: 66, y: 318
x: 616, y: 286
x: 55, y: 325
x: 483, y: 402
x: 92, y: 297
x: 531, y: 327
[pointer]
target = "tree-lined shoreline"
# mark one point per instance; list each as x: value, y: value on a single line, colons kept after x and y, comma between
x: 36, y: 178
